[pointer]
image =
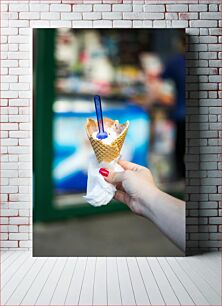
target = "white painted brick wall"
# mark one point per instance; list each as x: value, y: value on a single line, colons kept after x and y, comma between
x: 201, y: 20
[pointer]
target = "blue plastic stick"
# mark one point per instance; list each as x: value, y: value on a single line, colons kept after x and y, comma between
x: 102, y: 134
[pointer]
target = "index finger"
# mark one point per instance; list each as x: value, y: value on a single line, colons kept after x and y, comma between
x: 128, y: 165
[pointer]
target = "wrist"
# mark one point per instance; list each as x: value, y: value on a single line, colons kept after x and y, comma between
x: 149, y: 201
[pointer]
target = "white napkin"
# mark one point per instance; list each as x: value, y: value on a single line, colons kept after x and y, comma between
x: 100, y: 192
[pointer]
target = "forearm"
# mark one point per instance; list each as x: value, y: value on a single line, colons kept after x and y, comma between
x: 168, y: 213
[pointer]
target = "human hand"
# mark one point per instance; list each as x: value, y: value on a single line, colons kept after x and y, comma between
x: 135, y: 186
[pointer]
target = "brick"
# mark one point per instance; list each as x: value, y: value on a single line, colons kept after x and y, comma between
x: 208, y: 212
x: 213, y: 8
x: 29, y: 15
x: 19, y: 71
x: 203, y: 23
x: 25, y: 31
x: 210, y: 15
x: 210, y: 244
x: 215, y: 31
x: 39, y: 23
x: 197, y: 7
x: 52, y: 15
x: 24, y: 79
x: 204, y: 31
x: 60, y: 23
x: 208, y: 39
x: 177, y: 8
x: 39, y: 7
x: 13, y: 158
x: 18, y: 23
x: 19, y: 118
x: 26, y: 47
x: 9, y: 16
x: 192, y: 228
x: 18, y: 7
x: 137, y: 23
x: 208, y: 229
x: 4, y: 220
x: 122, y: 23
x: 25, y: 244
x: 191, y: 220
x: 9, y: 63
x: 187, y: 16
x: 215, y: 236
x: 9, y: 166
x: 18, y: 150
x: 9, y: 94
x: 154, y: 8
x: 162, y: 23
x: 5, y: 158
x: 18, y: 236
x: 82, y: 24
x: 9, y: 244
x: 24, y: 166
x: 122, y: 7
x: 102, y: 7
x: 24, y: 213
x: 134, y: 15
x: 24, y: 157
x: 9, y: 31
x: 214, y: 63
x: 214, y: 197
x: 4, y: 236
x: 24, y: 142
x: 4, y: 39
x: 4, y: 228
x: 18, y: 220
x: 4, y: 181
x: 215, y: 220
x: 4, y: 7
x: 137, y: 7
x: 24, y: 126
x: 4, y: 118
x: 215, y: 78
x: 71, y: 16
x: 203, y: 220
x: 19, y: 102
x: 102, y: 23
x: 92, y: 15
x: 9, y: 212
x: 171, y: 16
x: 147, y: 24
x: 60, y: 7
x: 19, y: 205
x: 112, y: 15
x: 9, y: 173
x: 199, y: 236
x: 82, y: 8
x: 24, y: 229
x: 207, y: 55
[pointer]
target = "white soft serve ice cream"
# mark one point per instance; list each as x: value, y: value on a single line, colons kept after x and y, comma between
x: 112, y: 135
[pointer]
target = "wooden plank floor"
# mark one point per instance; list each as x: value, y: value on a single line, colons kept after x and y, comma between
x: 26, y: 280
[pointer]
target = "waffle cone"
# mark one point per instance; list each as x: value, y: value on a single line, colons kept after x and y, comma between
x: 106, y: 152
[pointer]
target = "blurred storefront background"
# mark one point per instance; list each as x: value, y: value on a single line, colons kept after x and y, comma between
x: 131, y: 71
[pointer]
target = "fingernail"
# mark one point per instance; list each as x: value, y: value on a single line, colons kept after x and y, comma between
x: 104, y: 172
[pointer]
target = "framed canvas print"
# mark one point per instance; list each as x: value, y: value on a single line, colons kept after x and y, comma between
x: 109, y: 142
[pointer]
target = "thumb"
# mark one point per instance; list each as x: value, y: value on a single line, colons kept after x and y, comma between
x: 111, y: 176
